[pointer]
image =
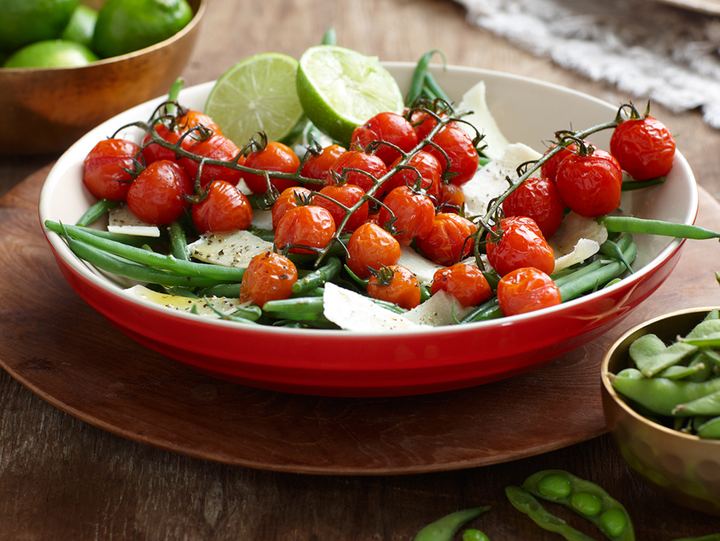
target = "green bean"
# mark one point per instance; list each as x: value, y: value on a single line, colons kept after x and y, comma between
x: 129, y: 269
x: 301, y: 305
x: 418, y: 81
x: 444, y: 529
x: 611, y: 249
x: 329, y: 38
x: 629, y: 224
x: 490, y: 309
x: 131, y: 240
x: 221, y: 290
x: 583, y: 497
x: 318, y: 277
x: 186, y: 268
x: 96, y: 211
x: 432, y: 85
x: 178, y: 242
x: 524, y: 502
x: 629, y: 185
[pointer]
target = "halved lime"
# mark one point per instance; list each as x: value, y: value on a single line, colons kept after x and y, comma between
x: 340, y: 89
x: 256, y: 94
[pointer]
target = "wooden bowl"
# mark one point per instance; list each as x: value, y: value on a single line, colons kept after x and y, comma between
x: 684, y: 468
x: 48, y: 109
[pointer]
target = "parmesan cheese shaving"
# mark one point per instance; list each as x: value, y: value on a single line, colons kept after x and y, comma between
x: 481, y: 118
x: 353, y: 312
x: 234, y: 249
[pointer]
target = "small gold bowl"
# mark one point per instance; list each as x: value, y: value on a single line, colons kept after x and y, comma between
x: 47, y: 109
x: 682, y: 467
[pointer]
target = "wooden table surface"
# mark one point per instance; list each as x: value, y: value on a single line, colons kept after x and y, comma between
x: 61, y: 478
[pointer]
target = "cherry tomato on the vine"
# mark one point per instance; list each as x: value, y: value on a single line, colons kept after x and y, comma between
x: 430, y: 174
x: 371, y: 246
x: 317, y: 166
x: 537, y: 198
x: 413, y: 214
x: 458, y: 146
x: 372, y: 167
x: 304, y: 228
x: 451, y: 199
x: 389, y: 127
x: 172, y: 132
x: 395, y: 284
x: 290, y: 198
x: 224, y: 208
x: 526, y: 290
x: 522, y: 245
x: 549, y: 168
x: 644, y: 148
x: 590, y: 184
x: 268, y: 277
x: 466, y: 282
x: 423, y: 123
x: 344, y: 194
x: 274, y: 158
x: 104, y: 168
x: 215, y: 147
x: 156, y: 196
x: 450, y: 240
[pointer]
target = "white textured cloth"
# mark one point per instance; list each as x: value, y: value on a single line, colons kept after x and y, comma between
x: 646, y: 49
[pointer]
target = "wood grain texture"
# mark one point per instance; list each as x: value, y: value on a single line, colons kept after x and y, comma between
x: 62, y: 478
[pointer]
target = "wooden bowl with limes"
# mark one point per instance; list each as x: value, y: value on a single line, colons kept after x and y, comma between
x: 47, y: 109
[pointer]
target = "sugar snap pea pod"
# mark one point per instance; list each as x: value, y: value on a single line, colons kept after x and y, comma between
x: 318, y: 277
x: 586, y: 499
x: 651, y: 355
x: 444, y: 529
x: 96, y: 211
x: 682, y: 372
x: 524, y: 502
x: 661, y: 395
x: 629, y: 224
x: 471, y: 534
x: 706, y: 405
x: 132, y: 270
x: 132, y: 240
x: 710, y: 429
x: 161, y: 261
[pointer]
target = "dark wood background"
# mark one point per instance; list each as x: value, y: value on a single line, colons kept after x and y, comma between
x: 61, y: 478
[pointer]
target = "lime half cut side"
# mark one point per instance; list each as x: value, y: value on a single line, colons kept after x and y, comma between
x: 340, y: 89
x: 257, y: 94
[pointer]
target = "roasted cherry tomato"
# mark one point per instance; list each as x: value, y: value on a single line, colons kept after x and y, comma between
x: 526, y: 290
x: 290, y: 198
x: 390, y: 128
x: 268, y: 277
x: 430, y: 174
x: 304, y: 229
x: 465, y: 282
x: 537, y: 198
x: 172, y: 132
x: 549, y: 168
x: 413, y: 214
x: 372, y: 167
x: 157, y: 195
x: 451, y: 199
x: 643, y: 147
x: 371, y: 247
x: 590, y: 184
x: 317, y: 166
x: 215, y: 147
x: 423, y: 123
x: 449, y: 240
x: 458, y: 145
x: 395, y: 284
x: 347, y: 195
x: 274, y: 158
x: 522, y: 245
x: 104, y: 168
x: 224, y: 208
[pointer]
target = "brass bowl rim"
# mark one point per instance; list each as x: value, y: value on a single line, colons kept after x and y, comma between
x: 202, y: 5
x: 620, y: 402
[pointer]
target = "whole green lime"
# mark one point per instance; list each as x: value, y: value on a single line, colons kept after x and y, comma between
x: 124, y: 26
x: 27, y: 21
x: 54, y: 53
x: 81, y: 26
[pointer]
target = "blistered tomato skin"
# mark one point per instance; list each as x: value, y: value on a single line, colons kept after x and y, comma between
x: 526, y: 290
x: 268, y: 277
x: 591, y: 185
x: 224, y: 209
x: 317, y: 167
x: 644, y: 148
x: 423, y: 163
x: 215, y: 147
x: 549, y: 167
x: 450, y: 240
x: 395, y: 284
x: 537, y: 198
x: 521, y: 245
x: 349, y: 166
x: 371, y: 246
x: 305, y: 229
x: 389, y: 127
x: 274, y: 158
x: 289, y: 199
x: 156, y: 196
x: 458, y: 146
x: 465, y: 282
x: 413, y: 214
x: 347, y: 195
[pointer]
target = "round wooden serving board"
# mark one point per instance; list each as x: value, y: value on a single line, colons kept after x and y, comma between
x: 68, y: 354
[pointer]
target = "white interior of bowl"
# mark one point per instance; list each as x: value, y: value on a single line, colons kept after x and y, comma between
x: 526, y: 110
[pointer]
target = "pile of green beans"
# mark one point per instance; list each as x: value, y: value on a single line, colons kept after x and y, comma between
x: 676, y: 385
